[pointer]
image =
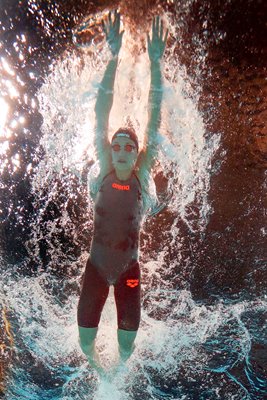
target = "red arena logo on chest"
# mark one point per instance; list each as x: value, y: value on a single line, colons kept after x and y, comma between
x: 120, y: 187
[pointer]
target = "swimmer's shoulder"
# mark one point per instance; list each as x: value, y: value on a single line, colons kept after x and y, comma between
x: 96, y: 183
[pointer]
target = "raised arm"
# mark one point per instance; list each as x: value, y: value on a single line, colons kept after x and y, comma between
x: 105, y: 92
x: 156, y: 46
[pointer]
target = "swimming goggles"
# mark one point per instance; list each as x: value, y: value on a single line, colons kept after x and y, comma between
x: 128, y: 148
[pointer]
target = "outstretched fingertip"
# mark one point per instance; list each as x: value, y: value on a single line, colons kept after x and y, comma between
x: 161, y: 30
x: 118, y: 18
x: 153, y: 25
x: 157, y: 22
x: 103, y: 26
x: 166, y: 36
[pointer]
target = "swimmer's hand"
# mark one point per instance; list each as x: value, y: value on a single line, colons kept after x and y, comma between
x: 112, y: 32
x: 156, y: 45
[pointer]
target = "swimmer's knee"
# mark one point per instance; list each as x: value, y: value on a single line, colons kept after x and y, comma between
x: 87, y: 339
x: 126, y: 343
x: 128, y: 325
x: 126, y: 338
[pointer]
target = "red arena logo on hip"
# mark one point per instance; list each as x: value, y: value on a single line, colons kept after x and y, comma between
x: 132, y: 283
x: 120, y: 187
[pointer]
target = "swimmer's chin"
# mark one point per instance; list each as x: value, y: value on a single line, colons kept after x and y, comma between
x: 122, y: 165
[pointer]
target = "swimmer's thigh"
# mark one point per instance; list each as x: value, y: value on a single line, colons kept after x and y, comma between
x: 93, y: 297
x: 128, y: 298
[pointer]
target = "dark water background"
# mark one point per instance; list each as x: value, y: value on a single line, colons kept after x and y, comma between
x: 222, y: 44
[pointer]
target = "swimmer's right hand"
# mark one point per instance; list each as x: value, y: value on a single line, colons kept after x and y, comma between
x: 112, y: 32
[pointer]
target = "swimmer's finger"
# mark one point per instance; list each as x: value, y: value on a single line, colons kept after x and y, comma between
x: 104, y: 27
x: 166, y: 36
x: 117, y: 21
x: 157, y: 24
x: 161, y: 30
x: 109, y: 18
x: 153, y: 27
x: 114, y: 23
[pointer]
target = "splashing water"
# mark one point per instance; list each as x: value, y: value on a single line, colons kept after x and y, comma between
x: 184, y: 350
x: 67, y: 104
x: 179, y: 342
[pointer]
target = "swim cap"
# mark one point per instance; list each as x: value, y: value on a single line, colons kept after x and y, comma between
x: 128, y: 133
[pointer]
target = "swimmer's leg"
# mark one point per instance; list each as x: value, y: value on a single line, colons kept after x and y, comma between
x: 128, y: 301
x: 92, y: 299
x: 87, y: 338
x: 126, y: 343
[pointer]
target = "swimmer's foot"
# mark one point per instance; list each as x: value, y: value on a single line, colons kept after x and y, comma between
x: 94, y: 361
x: 125, y: 354
x: 117, y: 368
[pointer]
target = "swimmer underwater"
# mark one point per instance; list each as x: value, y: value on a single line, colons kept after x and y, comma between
x: 119, y: 204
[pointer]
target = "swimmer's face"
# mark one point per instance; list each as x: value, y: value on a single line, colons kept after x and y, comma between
x: 124, y: 154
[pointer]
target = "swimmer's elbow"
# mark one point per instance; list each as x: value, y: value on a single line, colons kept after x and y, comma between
x: 102, y: 107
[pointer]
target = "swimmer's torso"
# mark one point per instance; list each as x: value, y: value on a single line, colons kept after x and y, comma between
x: 117, y: 219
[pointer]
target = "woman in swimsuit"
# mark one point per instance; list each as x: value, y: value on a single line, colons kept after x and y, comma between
x: 119, y: 197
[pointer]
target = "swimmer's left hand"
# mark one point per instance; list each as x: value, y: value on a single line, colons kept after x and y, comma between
x: 156, y: 45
